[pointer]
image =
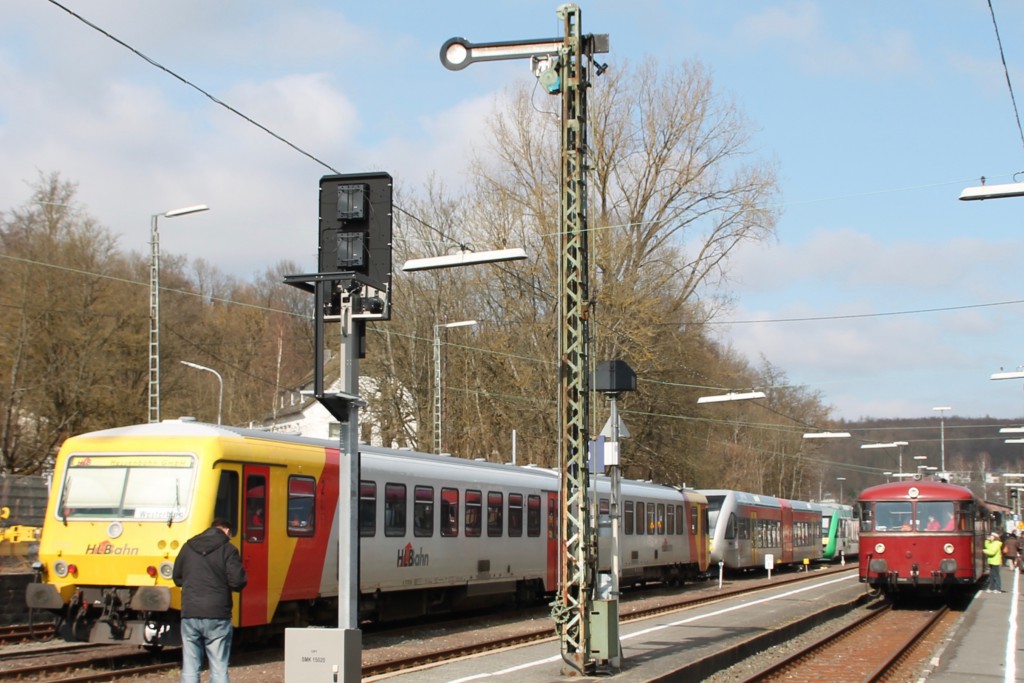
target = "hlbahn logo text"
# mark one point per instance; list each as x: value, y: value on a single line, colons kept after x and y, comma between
x: 408, y: 557
x: 108, y: 548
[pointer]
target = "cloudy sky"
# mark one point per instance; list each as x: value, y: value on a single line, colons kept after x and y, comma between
x: 882, y: 291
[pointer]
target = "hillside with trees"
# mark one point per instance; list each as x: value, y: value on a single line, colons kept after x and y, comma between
x: 674, y: 186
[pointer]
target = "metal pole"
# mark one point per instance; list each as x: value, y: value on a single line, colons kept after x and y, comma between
x: 154, y: 321
x: 942, y: 442
x: 437, y: 388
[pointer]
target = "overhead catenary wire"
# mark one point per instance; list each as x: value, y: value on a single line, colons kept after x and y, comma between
x: 1009, y: 83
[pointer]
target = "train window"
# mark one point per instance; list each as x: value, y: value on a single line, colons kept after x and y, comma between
x: 533, y: 516
x: 680, y: 521
x: 367, y: 508
x: 651, y: 523
x: 474, y: 507
x: 694, y: 518
x: 893, y: 515
x: 603, y: 506
x: 255, y: 508
x: 515, y: 514
x: 495, y: 513
x: 935, y: 516
x: 660, y: 520
x: 627, y: 517
x: 552, y: 518
x: 866, y: 514
x: 226, y: 505
x: 730, y: 528
x: 140, y: 488
x: 301, y: 506
x: 394, y: 509
x: 670, y: 520
x: 640, y: 518
x: 423, y: 511
x: 449, y: 512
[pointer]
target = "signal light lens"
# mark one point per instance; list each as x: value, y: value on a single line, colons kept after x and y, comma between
x: 73, y: 569
x: 151, y: 570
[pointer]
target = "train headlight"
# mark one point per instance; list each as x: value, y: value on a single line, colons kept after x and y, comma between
x: 60, y: 568
x: 948, y: 548
x: 879, y: 548
x: 166, y: 570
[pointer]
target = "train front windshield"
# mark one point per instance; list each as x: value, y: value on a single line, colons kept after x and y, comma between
x: 903, y: 515
x: 140, y: 487
x: 714, y: 507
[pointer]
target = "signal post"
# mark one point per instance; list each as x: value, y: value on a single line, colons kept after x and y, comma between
x: 353, y: 285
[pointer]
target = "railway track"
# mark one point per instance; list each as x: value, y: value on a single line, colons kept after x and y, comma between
x: 22, y: 632
x: 871, y: 648
x: 83, y: 663
x: 106, y: 663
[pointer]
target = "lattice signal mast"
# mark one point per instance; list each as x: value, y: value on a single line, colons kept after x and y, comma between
x: 562, y: 66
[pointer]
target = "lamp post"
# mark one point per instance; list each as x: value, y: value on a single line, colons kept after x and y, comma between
x: 154, y: 306
x: 890, y: 444
x: 437, y: 377
x: 220, y: 397
x: 942, y: 436
x: 829, y: 435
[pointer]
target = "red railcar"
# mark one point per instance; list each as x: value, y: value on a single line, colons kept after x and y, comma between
x: 922, y: 536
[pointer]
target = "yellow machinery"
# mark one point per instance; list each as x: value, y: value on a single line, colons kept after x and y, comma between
x: 18, y: 542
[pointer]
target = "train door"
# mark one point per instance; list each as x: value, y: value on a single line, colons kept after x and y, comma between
x: 255, y: 522
x: 554, y: 554
x: 786, y: 532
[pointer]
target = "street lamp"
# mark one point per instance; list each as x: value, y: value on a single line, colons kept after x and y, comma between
x: 220, y: 398
x: 942, y: 434
x: 437, y: 377
x: 891, y: 444
x: 154, y: 306
x: 840, y: 480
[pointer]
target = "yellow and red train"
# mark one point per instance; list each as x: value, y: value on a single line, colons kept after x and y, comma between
x: 436, y: 533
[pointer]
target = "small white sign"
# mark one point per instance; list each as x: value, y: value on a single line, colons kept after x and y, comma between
x: 769, y: 561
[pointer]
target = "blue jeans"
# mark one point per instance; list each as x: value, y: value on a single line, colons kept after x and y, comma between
x: 212, y: 636
x: 995, y: 582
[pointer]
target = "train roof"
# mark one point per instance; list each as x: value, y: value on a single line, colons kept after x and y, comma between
x: 833, y: 507
x: 757, y: 499
x: 192, y: 428
x: 925, y: 489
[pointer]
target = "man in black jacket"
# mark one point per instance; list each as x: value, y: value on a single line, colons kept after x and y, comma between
x: 208, y: 569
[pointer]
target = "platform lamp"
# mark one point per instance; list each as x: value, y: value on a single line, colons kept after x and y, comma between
x: 438, y: 396
x: 890, y: 444
x: 154, y: 305
x: 825, y: 435
x: 942, y: 436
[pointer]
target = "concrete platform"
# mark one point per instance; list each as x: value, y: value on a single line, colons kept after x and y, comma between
x: 678, y: 646
x: 987, y: 640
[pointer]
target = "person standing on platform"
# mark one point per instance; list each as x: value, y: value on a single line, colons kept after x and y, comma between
x: 1011, y: 549
x: 994, y: 556
x: 208, y: 569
